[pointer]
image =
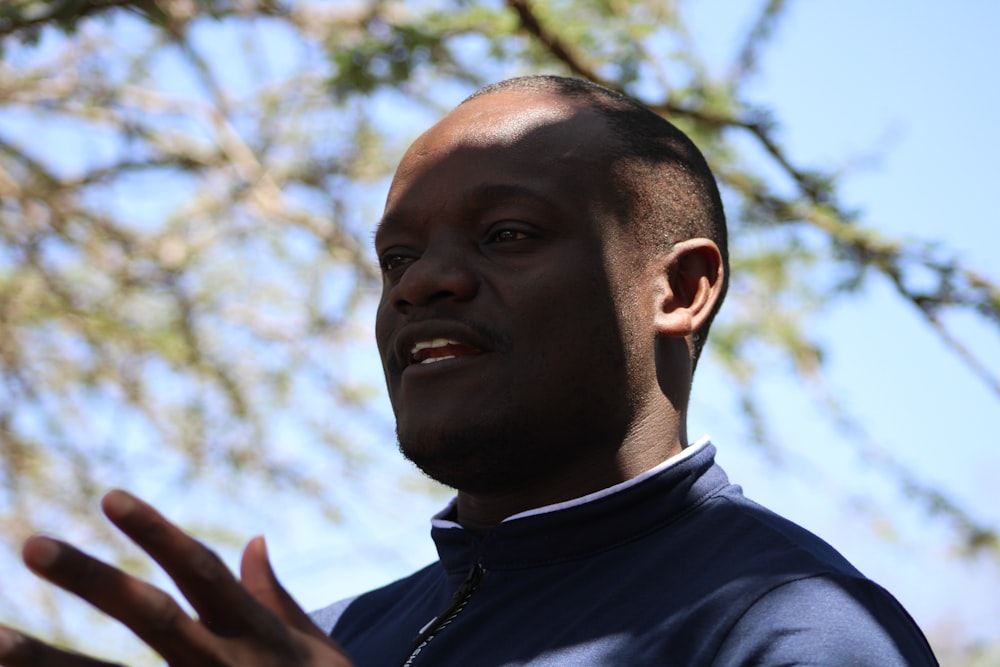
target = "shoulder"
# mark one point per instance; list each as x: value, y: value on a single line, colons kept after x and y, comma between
x: 830, y: 619
x: 769, y: 540
x: 328, y: 616
x: 794, y: 599
x: 397, y: 598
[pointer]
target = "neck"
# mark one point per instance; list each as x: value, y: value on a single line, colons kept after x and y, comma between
x: 643, y: 449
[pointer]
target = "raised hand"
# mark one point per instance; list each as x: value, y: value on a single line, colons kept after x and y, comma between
x: 252, y: 623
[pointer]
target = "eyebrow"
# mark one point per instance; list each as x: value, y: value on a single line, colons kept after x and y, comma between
x: 478, y: 198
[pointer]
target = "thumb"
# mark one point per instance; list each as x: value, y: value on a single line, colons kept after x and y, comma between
x: 259, y: 579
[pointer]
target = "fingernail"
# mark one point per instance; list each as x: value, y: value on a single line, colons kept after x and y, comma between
x: 118, y: 503
x: 8, y: 640
x: 40, y: 552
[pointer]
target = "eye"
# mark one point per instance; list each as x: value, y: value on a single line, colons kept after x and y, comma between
x: 393, y: 260
x: 507, y: 234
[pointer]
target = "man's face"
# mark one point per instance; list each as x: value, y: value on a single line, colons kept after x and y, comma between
x: 506, y: 283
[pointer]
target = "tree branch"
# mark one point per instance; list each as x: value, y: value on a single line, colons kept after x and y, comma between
x: 554, y: 45
x: 61, y: 13
x: 746, y: 62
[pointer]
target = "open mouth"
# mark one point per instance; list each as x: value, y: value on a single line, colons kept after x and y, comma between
x: 440, y: 349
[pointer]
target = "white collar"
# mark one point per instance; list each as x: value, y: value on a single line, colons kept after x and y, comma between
x: 439, y: 520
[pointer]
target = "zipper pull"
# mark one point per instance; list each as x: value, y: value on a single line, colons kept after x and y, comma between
x: 458, y: 601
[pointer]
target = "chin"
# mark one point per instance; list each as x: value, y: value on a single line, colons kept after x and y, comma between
x: 476, y: 460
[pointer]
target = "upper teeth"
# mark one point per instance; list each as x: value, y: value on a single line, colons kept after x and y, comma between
x: 436, y: 342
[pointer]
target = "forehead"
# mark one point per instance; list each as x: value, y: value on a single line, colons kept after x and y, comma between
x: 512, y: 124
x: 511, y: 138
x: 504, y: 119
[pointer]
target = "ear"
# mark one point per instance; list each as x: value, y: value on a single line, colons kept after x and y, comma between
x: 690, y: 284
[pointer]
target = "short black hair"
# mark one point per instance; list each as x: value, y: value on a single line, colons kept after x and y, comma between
x: 671, y: 192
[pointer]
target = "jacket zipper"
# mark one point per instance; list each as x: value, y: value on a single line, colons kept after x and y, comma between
x: 454, y: 608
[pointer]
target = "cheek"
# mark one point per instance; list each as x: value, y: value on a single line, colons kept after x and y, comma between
x: 383, y: 327
x: 583, y: 330
x: 383, y: 317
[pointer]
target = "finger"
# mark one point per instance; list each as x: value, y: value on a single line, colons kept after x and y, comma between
x: 20, y: 650
x: 221, y: 602
x: 150, y: 613
x: 259, y: 579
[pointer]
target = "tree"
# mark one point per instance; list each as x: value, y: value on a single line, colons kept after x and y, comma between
x: 186, y: 192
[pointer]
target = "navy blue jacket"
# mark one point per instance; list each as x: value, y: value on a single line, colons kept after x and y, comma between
x: 675, y: 567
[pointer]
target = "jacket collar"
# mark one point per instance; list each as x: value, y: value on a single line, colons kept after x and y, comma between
x: 583, y: 526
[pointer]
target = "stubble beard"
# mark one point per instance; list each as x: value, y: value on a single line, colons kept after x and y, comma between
x: 513, y: 452
x: 478, y: 458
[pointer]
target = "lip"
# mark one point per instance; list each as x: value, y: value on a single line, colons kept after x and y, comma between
x: 410, y: 334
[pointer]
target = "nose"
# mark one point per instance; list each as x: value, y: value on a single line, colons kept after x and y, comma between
x: 432, y: 277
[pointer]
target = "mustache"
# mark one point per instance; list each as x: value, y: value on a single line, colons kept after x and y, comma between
x: 496, y: 340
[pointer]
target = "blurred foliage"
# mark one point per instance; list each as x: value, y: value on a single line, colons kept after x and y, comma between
x: 186, y: 194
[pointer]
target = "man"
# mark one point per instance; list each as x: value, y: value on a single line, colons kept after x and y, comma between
x: 553, y: 255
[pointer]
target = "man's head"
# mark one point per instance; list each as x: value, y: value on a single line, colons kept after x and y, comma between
x: 546, y: 271
x: 668, y: 191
